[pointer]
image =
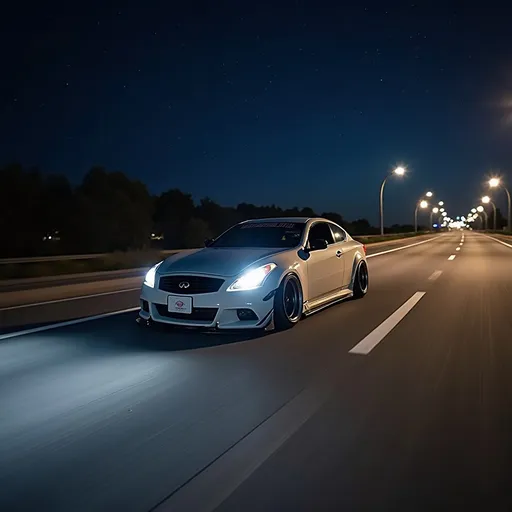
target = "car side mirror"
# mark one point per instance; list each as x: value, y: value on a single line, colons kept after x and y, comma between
x: 208, y: 242
x: 318, y: 244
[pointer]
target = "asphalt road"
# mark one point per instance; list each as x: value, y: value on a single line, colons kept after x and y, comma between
x: 343, y: 412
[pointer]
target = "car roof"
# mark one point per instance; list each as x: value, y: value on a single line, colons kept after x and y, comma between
x: 297, y: 220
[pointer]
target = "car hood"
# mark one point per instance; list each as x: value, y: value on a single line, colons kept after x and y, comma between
x: 222, y: 261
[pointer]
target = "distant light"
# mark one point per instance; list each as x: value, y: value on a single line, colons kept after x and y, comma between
x: 494, y: 182
x: 429, y: 194
x: 435, y: 225
x: 463, y: 218
x: 49, y: 237
x: 423, y: 204
x: 486, y: 199
x: 441, y: 210
x: 435, y: 210
x: 399, y: 171
x: 444, y: 214
x: 153, y: 234
x: 441, y: 203
x: 473, y: 210
x: 480, y: 209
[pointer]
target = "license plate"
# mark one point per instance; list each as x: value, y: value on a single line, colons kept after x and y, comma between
x: 177, y: 304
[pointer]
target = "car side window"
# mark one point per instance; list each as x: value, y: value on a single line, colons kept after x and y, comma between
x: 339, y: 234
x: 321, y: 231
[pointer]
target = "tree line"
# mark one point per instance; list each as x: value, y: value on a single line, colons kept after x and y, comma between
x: 44, y: 214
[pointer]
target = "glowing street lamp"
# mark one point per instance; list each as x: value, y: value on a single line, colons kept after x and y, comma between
x: 441, y: 203
x: 487, y: 200
x: 434, y: 210
x: 495, y: 183
x: 421, y: 204
x: 473, y: 210
x: 429, y: 194
x: 481, y: 209
x: 399, y: 171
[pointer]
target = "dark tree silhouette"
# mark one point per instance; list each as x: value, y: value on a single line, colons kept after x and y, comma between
x: 43, y: 214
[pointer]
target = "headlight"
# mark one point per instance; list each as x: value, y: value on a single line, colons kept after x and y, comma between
x: 149, y: 280
x: 252, y: 279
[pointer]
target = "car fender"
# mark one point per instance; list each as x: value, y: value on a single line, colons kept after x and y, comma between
x: 357, y: 259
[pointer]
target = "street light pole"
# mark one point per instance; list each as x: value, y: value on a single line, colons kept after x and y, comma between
x: 486, y: 217
x: 496, y: 182
x: 509, y: 210
x: 419, y: 204
x: 399, y: 171
x: 494, y: 217
x: 434, y: 210
x: 381, y: 203
x: 487, y: 200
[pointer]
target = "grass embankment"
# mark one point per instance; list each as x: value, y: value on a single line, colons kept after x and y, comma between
x: 123, y: 260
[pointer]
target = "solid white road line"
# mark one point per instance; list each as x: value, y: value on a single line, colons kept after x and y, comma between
x: 401, y: 248
x: 435, y: 275
x: 65, y: 324
x: 452, y: 257
x: 499, y: 241
x: 365, y: 346
x: 80, y: 297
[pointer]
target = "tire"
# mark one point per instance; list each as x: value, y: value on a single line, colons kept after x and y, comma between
x: 288, y: 303
x: 361, y: 281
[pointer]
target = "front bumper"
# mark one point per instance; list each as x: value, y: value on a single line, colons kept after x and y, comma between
x: 219, y: 310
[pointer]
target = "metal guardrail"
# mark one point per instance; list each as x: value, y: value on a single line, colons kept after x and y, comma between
x: 74, y: 257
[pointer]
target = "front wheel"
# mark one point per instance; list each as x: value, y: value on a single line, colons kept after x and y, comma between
x: 361, y: 280
x: 288, y: 303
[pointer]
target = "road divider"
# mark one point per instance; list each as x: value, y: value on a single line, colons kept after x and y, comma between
x: 365, y: 346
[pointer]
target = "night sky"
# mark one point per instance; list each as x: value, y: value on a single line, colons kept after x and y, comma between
x: 295, y: 103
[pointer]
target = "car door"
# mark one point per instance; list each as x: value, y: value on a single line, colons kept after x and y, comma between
x: 347, y: 248
x: 325, y: 266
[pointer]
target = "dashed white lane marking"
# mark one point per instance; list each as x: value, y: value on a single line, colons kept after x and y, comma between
x: 458, y: 249
x: 65, y: 324
x: 366, y: 345
x: 462, y: 243
x: 452, y: 257
x: 80, y: 297
x: 401, y: 248
x: 435, y: 275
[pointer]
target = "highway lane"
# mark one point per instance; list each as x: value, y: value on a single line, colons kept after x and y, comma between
x: 426, y: 421
x: 92, y: 294
x: 102, y: 416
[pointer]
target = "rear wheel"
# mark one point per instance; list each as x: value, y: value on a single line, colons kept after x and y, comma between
x: 361, y: 280
x: 288, y: 303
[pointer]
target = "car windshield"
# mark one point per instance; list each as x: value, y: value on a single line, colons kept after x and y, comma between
x: 262, y: 234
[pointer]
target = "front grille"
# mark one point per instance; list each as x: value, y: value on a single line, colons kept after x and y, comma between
x: 199, y: 314
x: 196, y: 284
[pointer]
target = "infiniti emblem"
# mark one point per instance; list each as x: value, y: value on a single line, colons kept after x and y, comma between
x: 184, y: 285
